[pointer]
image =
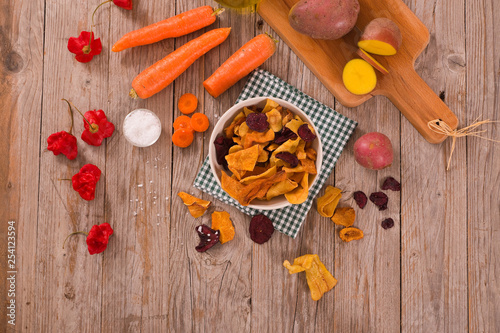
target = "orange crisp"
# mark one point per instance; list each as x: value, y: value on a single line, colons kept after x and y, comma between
x: 196, y: 206
x: 221, y: 221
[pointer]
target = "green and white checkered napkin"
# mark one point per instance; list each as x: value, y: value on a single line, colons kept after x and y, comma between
x: 334, y: 131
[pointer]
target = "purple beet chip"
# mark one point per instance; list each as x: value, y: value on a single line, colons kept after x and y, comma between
x: 360, y: 198
x: 261, y: 229
x: 222, y: 146
x: 284, y: 135
x: 257, y: 122
x: 388, y: 223
x: 305, y: 133
x: 288, y: 158
x: 391, y: 184
x: 208, y: 237
x: 380, y: 199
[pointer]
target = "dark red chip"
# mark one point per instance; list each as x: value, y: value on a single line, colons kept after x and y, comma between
x: 288, y: 158
x: 261, y: 229
x: 380, y: 199
x: 305, y: 133
x: 360, y: 198
x: 284, y: 135
x: 388, y: 223
x: 391, y: 184
x: 222, y: 146
x: 257, y: 122
x: 208, y: 237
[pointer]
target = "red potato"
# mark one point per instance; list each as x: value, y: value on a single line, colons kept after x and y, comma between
x: 324, y: 19
x: 373, y: 151
x: 369, y: 59
x: 381, y: 36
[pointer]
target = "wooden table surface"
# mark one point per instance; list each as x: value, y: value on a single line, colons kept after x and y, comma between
x: 435, y: 271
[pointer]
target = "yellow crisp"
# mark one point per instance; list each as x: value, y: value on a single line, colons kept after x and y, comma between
x: 281, y: 188
x: 301, y: 154
x: 274, y: 120
x: 294, y: 124
x: 299, y: 194
x: 244, y: 159
x: 327, y: 203
x: 344, y: 216
x: 266, y: 174
x: 234, y: 149
x: 229, y: 131
x: 311, y: 154
x: 270, y: 104
x: 319, y: 279
x: 221, y: 221
x: 196, y: 206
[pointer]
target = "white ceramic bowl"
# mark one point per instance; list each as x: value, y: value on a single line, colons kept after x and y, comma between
x: 226, y: 119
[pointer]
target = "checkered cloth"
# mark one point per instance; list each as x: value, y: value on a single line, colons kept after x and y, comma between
x: 334, y: 131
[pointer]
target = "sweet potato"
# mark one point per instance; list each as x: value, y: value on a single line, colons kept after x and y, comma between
x: 359, y: 77
x: 324, y: 19
x: 381, y: 36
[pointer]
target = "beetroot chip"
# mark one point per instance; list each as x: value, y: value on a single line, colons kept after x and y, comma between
x: 305, y: 133
x: 284, y: 135
x: 288, y: 158
x: 261, y: 229
x: 380, y: 199
x: 360, y: 198
x: 208, y: 237
x: 222, y: 146
x: 391, y: 184
x: 257, y: 122
x: 388, y: 223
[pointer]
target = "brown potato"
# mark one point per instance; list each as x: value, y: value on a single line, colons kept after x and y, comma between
x: 324, y: 19
x: 381, y: 36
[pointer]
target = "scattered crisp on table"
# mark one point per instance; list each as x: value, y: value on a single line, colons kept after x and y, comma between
x: 318, y: 277
x: 196, y: 206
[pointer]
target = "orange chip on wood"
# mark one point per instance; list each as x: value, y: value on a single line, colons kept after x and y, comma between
x: 221, y: 221
x: 344, y: 216
x: 327, y: 203
x: 196, y: 206
x: 351, y: 233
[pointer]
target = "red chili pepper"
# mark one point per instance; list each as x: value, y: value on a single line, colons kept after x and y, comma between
x: 126, y: 4
x: 84, y: 182
x: 97, y: 240
x: 85, y: 46
x: 63, y: 143
x: 97, y: 127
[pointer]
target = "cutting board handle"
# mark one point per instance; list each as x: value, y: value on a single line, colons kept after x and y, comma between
x: 418, y: 102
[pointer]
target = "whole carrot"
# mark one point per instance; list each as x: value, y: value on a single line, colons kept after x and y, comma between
x: 240, y: 64
x: 162, y: 73
x: 179, y: 25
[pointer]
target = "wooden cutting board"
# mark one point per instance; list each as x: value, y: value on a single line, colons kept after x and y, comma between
x: 403, y: 86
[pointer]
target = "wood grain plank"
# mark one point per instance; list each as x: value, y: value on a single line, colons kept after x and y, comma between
x: 482, y: 67
x: 367, y: 296
x: 136, y: 270
x: 69, y: 280
x: 434, y: 201
x: 274, y: 291
x: 21, y: 71
x: 221, y: 277
x: 318, y: 237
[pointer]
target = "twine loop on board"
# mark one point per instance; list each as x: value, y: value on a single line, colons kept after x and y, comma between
x: 441, y: 127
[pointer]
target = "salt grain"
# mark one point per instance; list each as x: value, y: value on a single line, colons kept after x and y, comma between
x: 142, y: 128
